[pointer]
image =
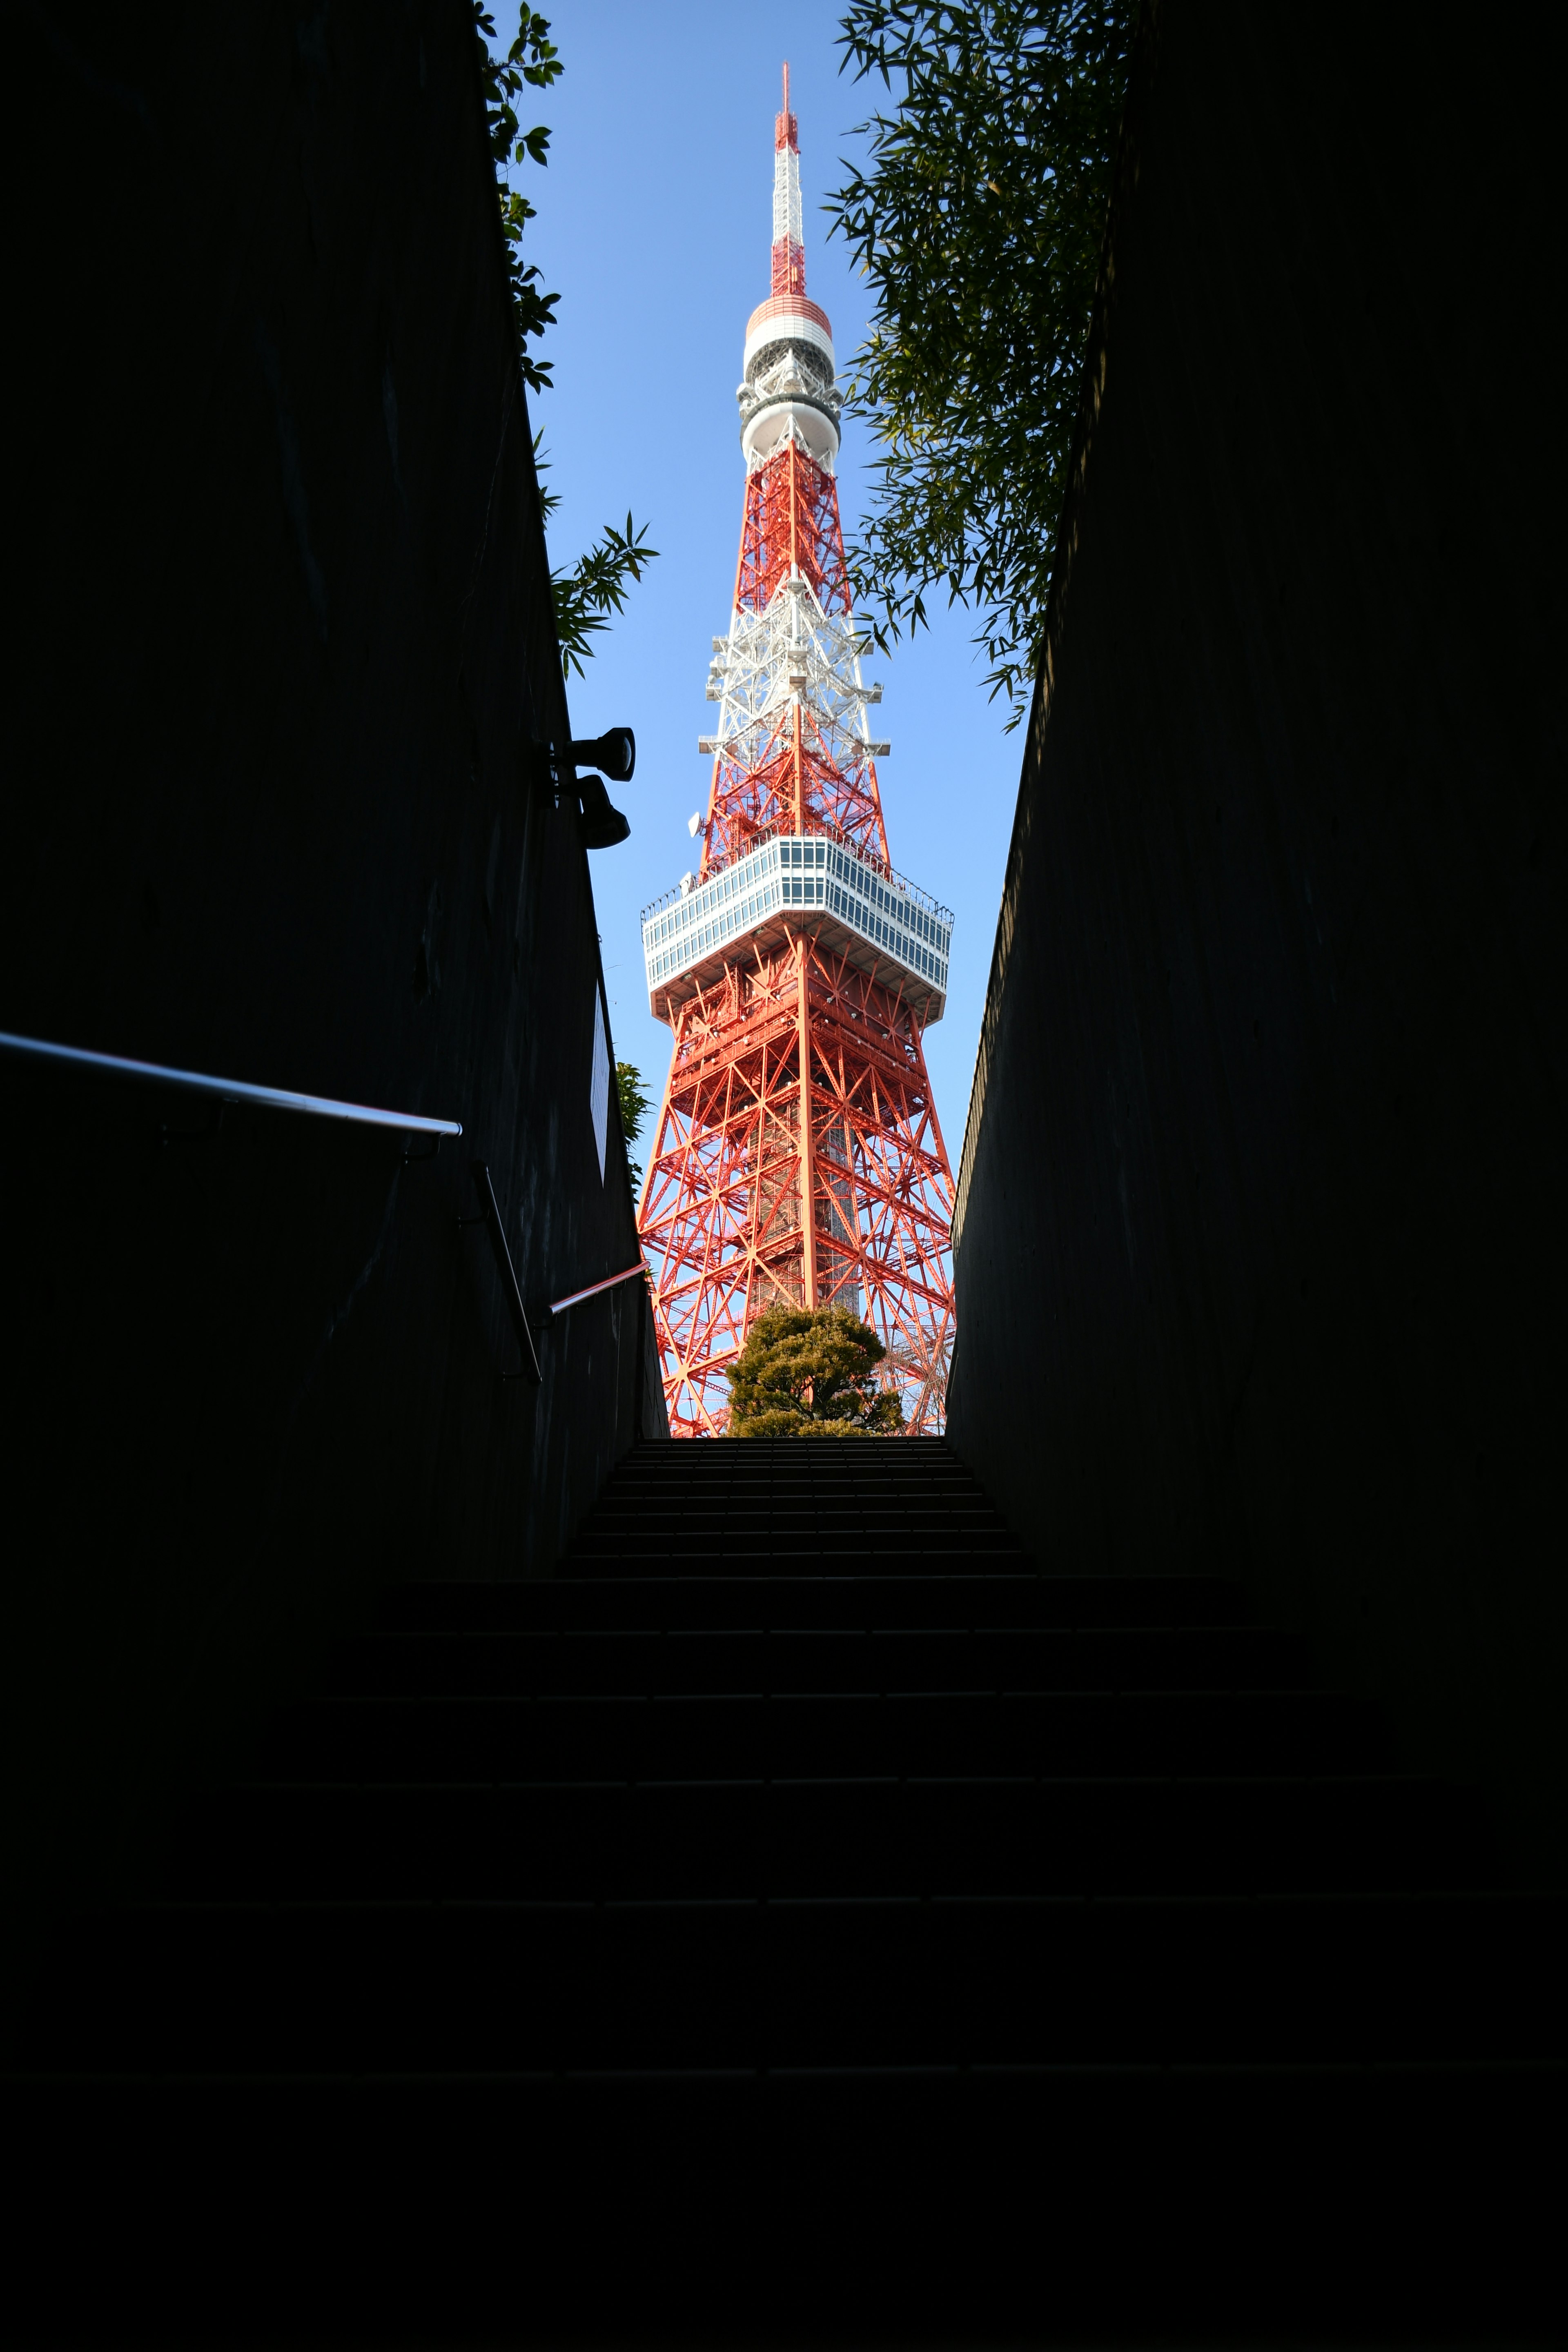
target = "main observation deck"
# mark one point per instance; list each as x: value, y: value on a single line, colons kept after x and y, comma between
x: 794, y: 882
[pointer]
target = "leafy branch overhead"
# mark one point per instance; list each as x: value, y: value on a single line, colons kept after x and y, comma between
x: 978, y: 222
x: 587, y: 592
x: 531, y: 61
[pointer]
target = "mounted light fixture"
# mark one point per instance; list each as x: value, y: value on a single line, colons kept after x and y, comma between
x: 601, y: 824
x: 616, y: 753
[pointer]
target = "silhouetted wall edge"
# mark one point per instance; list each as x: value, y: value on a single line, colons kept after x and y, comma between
x: 1259, y: 1246
x: 284, y: 690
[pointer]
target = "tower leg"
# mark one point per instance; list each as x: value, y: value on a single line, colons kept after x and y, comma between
x: 807, y: 1147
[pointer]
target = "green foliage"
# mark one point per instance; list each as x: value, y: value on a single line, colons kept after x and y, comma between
x: 532, y: 60
x: 587, y: 592
x: 634, y: 1108
x: 978, y: 220
x: 810, y: 1373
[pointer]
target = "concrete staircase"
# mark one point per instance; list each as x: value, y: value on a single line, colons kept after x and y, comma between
x: 807, y: 1919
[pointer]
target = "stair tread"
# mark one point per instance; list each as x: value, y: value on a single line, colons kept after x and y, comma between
x: 805, y: 1811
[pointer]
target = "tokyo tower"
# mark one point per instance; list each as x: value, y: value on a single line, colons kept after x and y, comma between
x: 797, y: 1158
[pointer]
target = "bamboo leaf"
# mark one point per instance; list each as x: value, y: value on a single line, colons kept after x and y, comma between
x: 977, y: 222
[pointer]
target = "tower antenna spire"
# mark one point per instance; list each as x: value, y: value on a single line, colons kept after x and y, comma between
x: 789, y: 245
x: 798, y: 1160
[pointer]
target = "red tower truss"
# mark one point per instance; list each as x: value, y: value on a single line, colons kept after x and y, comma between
x: 798, y: 1157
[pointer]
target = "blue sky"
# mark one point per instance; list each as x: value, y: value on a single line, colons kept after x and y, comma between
x: 655, y: 220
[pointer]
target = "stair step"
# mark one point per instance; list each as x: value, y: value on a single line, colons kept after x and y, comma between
x: 928, y: 1600
x: 978, y: 2204
x: 805, y: 1905
x: 825, y: 1837
x: 531, y: 1987
x: 767, y: 1514
x: 1182, y: 1733
x: 808, y: 1560
x: 696, y: 1540
x: 798, y: 1659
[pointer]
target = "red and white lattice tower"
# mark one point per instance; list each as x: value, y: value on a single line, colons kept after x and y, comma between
x: 799, y: 1157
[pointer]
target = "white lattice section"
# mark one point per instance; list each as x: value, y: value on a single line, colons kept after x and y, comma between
x: 786, y: 196
x: 794, y: 647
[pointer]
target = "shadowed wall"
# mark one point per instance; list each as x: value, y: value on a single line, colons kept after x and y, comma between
x: 284, y: 684
x: 1260, y: 1249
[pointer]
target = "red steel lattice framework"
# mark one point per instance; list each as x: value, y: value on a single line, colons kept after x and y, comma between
x: 798, y: 1156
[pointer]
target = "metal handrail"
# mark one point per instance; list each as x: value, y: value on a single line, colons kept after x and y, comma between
x: 235, y: 1090
x: 559, y: 1306
x: 240, y: 1090
x: 489, y: 1216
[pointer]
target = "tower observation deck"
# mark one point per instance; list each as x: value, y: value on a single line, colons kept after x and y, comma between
x: 798, y: 1157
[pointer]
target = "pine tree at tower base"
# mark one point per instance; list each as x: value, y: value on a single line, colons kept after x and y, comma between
x: 798, y: 1160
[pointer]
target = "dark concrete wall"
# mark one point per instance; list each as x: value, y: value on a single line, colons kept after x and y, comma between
x: 1261, y: 1254
x: 282, y: 661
